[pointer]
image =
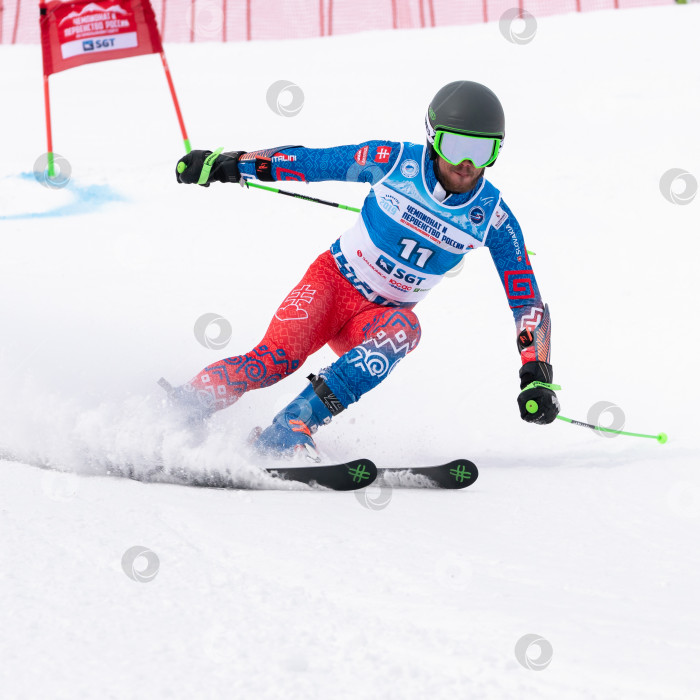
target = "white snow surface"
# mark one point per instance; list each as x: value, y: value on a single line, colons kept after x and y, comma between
x: 588, y: 542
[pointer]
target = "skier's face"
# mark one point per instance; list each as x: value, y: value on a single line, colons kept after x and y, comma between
x: 458, y: 178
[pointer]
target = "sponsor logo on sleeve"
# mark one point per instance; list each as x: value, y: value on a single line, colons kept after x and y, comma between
x: 409, y: 168
x: 499, y: 216
x: 361, y: 155
x: 516, y: 244
x: 382, y: 155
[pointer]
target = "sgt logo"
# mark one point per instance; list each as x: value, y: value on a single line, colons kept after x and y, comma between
x: 382, y: 154
x: 398, y: 273
x: 385, y: 264
x: 361, y: 155
x: 389, y: 204
x: 409, y: 168
x: 88, y: 46
x: 476, y: 215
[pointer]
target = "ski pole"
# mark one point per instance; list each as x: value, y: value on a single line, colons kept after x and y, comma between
x: 247, y: 183
x: 301, y: 196
x: 532, y: 407
x: 661, y: 438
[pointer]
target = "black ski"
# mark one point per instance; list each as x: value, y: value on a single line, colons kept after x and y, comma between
x: 347, y: 476
x: 457, y: 474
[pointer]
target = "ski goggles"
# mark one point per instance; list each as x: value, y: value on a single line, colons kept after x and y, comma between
x: 456, y: 148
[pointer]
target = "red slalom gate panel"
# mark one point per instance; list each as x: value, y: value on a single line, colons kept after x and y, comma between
x: 83, y: 31
x: 245, y: 20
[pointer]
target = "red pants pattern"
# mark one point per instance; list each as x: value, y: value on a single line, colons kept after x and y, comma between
x: 323, y: 308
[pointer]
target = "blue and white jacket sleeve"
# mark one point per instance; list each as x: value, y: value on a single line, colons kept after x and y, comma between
x: 507, y: 246
x: 363, y: 162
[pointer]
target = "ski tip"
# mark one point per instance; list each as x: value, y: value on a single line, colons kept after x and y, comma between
x: 457, y: 474
x: 361, y: 472
x: 343, y: 476
x: 461, y: 473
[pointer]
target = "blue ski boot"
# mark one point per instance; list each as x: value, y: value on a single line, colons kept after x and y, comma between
x: 292, y: 428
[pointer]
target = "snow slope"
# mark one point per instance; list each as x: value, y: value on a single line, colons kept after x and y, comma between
x: 587, y: 541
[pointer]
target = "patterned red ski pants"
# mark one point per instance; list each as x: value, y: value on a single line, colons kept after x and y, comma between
x: 323, y: 308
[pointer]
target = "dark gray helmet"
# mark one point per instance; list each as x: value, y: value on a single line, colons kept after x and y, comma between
x: 465, y: 107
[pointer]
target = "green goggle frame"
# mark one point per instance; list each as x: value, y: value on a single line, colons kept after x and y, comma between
x: 456, y: 148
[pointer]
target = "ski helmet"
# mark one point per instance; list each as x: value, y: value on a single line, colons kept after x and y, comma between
x: 464, y: 107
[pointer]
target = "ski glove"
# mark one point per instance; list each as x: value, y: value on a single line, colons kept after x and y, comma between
x: 537, y: 401
x: 204, y: 167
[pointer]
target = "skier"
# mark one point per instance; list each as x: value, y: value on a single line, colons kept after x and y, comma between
x: 428, y: 206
